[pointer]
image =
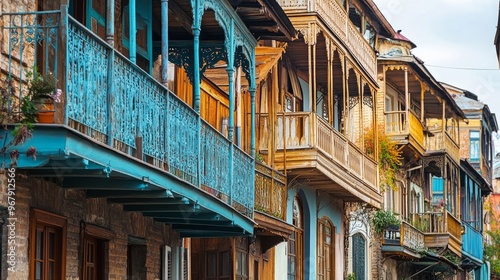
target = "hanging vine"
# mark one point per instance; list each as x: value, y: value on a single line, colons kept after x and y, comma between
x: 389, y: 156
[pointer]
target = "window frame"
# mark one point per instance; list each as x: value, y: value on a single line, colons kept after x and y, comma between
x: 477, y: 144
x: 324, y: 223
x: 101, y: 236
x: 43, y: 218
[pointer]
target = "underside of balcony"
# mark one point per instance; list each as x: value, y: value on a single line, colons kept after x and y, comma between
x: 310, y: 166
x: 76, y: 161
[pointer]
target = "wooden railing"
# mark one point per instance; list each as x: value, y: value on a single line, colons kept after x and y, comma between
x: 472, y: 241
x: 429, y: 222
x: 439, y: 140
x: 405, y: 235
x: 270, y: 191
x: 416, y: 129
x: 395, y: 123
x: 454, y: 226
x: 301, y: 130
x: 337, y: 19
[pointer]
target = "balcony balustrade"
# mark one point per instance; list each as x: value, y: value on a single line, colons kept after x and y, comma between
x: 305, y: 130
x: 472, y: 242
x: 270, y: 191
x: 337, y: 19
x: 405, y: 235
x: 113, y: 101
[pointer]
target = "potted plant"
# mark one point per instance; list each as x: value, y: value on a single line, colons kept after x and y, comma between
x: 38, y: 104
x: 384, y: 219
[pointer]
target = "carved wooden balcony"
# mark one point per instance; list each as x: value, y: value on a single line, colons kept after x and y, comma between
x: 270, y: 191
x: 440, y: 140
x: 405, y: 128
x: 337, y: 20
x: 403, y: 240
x: 441, y: 229
x: 318, y: 153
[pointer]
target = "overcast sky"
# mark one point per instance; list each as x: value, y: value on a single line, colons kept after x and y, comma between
x: 453, y: 34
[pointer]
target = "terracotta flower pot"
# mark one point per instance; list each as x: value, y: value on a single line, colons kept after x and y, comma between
x: 46, y: 113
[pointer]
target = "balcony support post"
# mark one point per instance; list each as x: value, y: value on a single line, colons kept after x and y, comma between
x: 110, y: 33
x: 407, y: 103
x: 164, y: 42
x: 132, y: 30
x: 64, y: 38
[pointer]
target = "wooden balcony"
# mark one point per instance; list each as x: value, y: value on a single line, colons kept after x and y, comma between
x: 337, y: 20
x: 270, y: 191
x: 319, y: 154
x: 115, y: 104
x: 441, y: 229
x: 405, y: 240
x: 472, y: 243
x: 439, y: 140
x: 405, y: 132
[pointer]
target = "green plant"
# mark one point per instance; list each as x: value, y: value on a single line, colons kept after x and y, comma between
x: 492, y: 252
x: 389, y: 156
x: 351, y: 276
x: 383, y: 219
x: 41, y: 90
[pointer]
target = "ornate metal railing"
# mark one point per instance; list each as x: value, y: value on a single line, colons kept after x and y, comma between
x: 270, y: 191
x: 304, y: 130
x: 113, y: 101
x: 337, y: 19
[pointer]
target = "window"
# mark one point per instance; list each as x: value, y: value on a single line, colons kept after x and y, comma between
x: 359, y: 256
x: 94, y: 244
x: 295, y: 244
x: 241, y: 265
x: 218, y: 265
x: 437, y: 191
x: 474, y: 146
x: 326, y: 250
x: 47, y: 245
x: 92, y: 14
x: 136, y: 258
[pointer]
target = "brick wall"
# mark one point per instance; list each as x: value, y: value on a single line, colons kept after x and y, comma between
x: 45, y: 195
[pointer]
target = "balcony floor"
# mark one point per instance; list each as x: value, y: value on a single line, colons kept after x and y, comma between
x: 79, y: 162
x: 323, y: 173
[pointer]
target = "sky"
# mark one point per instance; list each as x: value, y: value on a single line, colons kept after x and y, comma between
x: 452, y: 35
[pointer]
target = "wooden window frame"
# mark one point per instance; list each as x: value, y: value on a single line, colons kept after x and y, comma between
x: 100, y: 234
x: 41, y: 217
x: 321, y: 243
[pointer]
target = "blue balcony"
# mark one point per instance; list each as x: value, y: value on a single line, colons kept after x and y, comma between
x: 120, y: 134
x: 472, y: 246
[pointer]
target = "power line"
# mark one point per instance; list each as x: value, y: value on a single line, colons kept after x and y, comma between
x: 462, y: 68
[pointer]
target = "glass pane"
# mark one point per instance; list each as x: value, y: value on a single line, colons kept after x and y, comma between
x: 39, y: 244
x: 51, y: 245
x: 211, y: 265
x: 225, y: 264
x: 38, y: 270
x: 51, y: 270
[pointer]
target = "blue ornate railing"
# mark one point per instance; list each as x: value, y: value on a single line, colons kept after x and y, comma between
x: 113, y: 101
x: 472, y: 242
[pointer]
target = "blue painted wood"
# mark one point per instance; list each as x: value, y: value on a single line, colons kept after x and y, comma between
x: 472, y: 242
x: 164, y: 42
x: 132, y: 30
x: 112, y: 101
x: 110, y: 22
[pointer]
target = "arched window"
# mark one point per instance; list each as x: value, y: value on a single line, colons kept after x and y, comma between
x: 295, y: 243
x: 359, y: 256
x: 326, y: 250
